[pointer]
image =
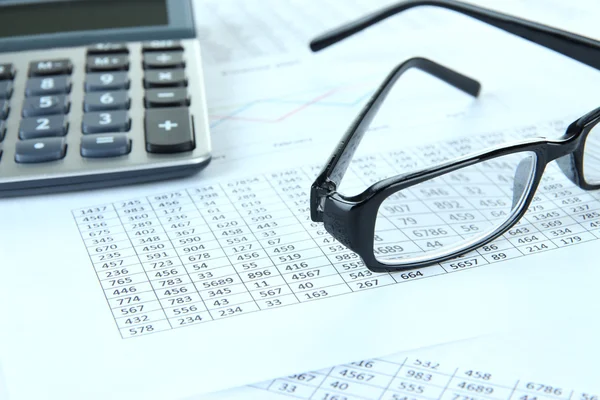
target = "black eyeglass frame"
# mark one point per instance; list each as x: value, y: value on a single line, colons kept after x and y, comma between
x: 351, y: 219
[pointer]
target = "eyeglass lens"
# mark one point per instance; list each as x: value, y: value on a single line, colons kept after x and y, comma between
x: 444, y: 215
x: 591, y: 157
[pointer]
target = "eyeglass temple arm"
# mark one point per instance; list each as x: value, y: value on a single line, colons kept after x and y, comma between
x: 333, y: 172
x: 575, y: 46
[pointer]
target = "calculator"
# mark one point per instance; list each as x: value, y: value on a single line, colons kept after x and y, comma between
x: 97, y: 93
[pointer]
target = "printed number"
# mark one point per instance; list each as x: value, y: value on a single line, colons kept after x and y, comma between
x: 45, y: 101
x: 43, y: 124
x: 107, y: 98
x: 107, y: 79
x: 105, y: 118
x: 47, y: 83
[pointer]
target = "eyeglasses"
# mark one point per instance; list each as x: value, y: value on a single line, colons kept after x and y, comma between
x: 355, y: 221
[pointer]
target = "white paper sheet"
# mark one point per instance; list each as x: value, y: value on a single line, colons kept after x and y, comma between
x: 64, y: 331
x: 557, y: 366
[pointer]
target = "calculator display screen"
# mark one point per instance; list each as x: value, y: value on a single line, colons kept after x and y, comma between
x: 27, y: 18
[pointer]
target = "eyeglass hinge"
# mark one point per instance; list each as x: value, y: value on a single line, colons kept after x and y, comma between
x: 318, y: 196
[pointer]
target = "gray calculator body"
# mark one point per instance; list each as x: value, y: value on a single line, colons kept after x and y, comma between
x: 140, y: 127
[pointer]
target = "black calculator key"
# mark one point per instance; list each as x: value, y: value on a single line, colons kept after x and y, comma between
x: 48, y: 85
x: 106, y: 81
x: 101, y: 101
x: 108, y: 121
x: 108, y: 62
x: 50, y: 67
x: 41, y: 127
x: 164, y: 78
x: 168, y: 130
x: 164, y: 59
x: 2, y: 130
x: 103, y: 48
x: 45, y: 105
x: 6, y: 89
x: 176, y: 97
x: 105, y: 145
x: 162, y: 45
x: 4, y: 108
x: 40, y: 150
x: 7, y: 71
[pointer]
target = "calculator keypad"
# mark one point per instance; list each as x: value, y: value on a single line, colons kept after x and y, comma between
x: 105, y: 108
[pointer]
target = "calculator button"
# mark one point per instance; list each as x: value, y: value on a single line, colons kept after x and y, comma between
x: 41, y: 127
x: 164, y: 78
x: 106, y: 81
x: 7, y: 71
x: 112, y: 62
x: 4, y: 108
x: 6, y: 89
x: 50, y: 67
x: 2, y: 130
x: 109, y: 121
x: 45, y: 105
x: 162, y: 45
x: 105, y: 145
x: 103, y: 48
x: 164, y: 59
x: 40, y: 150
x: 100, y: 101
x: 168, y: 130
x: 166, y: 98
x: 48, y: 85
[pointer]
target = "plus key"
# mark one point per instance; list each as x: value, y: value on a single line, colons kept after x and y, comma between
x: 168, y: 130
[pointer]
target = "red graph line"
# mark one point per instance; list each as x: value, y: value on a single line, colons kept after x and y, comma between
x: 284, y: 116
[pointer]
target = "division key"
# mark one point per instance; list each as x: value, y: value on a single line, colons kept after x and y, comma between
x: 168, y: 130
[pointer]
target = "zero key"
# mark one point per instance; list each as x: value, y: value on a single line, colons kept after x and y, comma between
x: 168, y: 130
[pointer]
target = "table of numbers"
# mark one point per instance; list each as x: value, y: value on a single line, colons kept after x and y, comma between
x: 233, y: 247
x: 414, y: 378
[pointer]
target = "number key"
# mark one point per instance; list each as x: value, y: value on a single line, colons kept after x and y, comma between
x: 6, y: 89
x: 118, y: 100
x: 4, y: 108
x: 48, y: 85
x: 7, y: 71
x: 106, y: 81
x: 102, y: 122
x: 41, y: 127
x: 45, y: 105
